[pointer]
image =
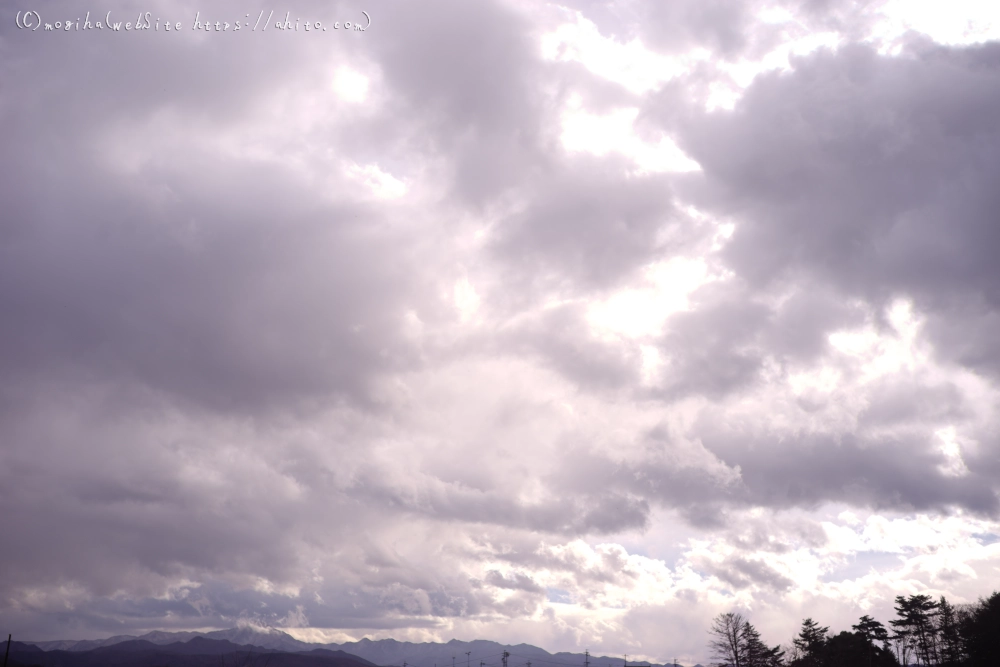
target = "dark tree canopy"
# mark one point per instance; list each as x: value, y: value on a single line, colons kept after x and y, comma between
x: 980, y: 632
x: 926, y: 632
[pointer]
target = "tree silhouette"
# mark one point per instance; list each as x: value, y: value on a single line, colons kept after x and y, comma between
x: 934, y: 633
x: 980, y: 631
x: 951, y: 653
x: 726, y: 644
x: 916, y: 626
x: 810, y: 643
x: 872, y: 631
x: 755, y: 652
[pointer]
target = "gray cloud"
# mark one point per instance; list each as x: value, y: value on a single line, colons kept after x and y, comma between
x: 743, y: 572
x: 869, y: 174
x: 234, y: 381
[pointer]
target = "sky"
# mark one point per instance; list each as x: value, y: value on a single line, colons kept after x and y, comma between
x: 573, y: 324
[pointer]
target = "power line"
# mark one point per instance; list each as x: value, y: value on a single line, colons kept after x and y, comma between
x: 419, y: 663
x: 564, y: 663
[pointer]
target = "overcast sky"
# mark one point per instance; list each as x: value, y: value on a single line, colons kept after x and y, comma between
x: 570, y: 324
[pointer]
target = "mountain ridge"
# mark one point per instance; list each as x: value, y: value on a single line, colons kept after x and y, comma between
x: 487, y: 653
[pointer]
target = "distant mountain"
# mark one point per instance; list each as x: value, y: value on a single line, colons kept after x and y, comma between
x: 388, y: 652
x: 84, y: 645
x: 392, y: 652
x: 197, y: 652
x: 262, y: 637
x: 159, y: 637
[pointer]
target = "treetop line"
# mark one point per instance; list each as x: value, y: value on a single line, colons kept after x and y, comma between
x: 927, y: 631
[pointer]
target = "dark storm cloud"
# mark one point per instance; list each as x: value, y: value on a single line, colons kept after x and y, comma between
x: 590, y: 222
x: 205, y: 277
x: 796, y: 330
x: 242, y: 321
x: 872, y: 175
x: 714, y: 350
x: 898, y: 403
x: 670, y: 474
x: 466, y: 75
x: 888, y: 473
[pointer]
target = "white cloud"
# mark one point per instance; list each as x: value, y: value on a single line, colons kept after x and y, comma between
x: 382, y: 184
x: 351, y: 85
x: 615, y: 133
x: 641, y: 311
x: 631, y: 65
x: 466, y: 299
x: 958, y: 22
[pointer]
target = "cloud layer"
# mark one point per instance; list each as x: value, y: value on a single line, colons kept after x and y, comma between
x: 573, y: 325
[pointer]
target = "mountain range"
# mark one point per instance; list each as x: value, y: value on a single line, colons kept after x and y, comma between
x: 273, y: 644
x: 196, y: 652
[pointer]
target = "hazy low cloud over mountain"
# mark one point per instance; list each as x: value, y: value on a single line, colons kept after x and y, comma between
x: 568, y: 324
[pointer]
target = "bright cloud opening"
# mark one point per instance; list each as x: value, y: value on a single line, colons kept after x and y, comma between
x: 642, y: 311
x: 382, y: 184
x: 615, y: 132
x: 632, y: 65
x: 350, y: 85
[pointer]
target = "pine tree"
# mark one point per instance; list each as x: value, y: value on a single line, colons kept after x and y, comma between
x: 916, y: 627
x: 872, y: 631
x: 755, y: 652
x: 980, y: 629
x: 810, y: 642
x: 951, y: 641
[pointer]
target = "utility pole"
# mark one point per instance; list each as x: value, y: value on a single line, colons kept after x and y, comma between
x: 452, y: 661
x: 586, y: 658
x: 6, y: 652
x: 468, y: 658
x: 626, y: 660
x: 504, y: 658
